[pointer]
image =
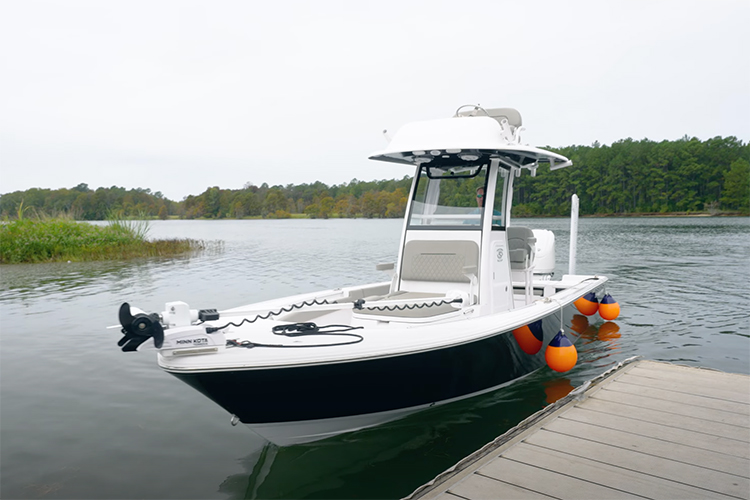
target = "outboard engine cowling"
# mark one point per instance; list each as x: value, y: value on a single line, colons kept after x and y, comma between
x: 544, y: 260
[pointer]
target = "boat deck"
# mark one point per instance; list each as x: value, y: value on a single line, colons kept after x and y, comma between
x: 643, y: 430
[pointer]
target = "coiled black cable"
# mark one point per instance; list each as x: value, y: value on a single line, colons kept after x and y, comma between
x: 316, y: 302
x: 360, y: 305
x: 301, y: 329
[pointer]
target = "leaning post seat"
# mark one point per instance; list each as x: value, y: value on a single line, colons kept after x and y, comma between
x: 522, y: 249
x: 438, y: 266
x: 432, y: 271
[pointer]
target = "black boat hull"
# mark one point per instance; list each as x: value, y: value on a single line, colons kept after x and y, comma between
x: 370, y: 386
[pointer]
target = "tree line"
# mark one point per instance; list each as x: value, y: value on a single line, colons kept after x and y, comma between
x: 373, y: 199
x: 381, y: 198
x: 628, y: 177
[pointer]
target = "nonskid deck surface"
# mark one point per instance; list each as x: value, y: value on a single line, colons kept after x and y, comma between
x: 378, y: 335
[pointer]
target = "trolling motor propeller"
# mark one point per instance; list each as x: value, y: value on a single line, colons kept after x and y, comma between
x: 138, y: 329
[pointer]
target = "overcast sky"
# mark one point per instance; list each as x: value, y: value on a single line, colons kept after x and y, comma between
x: 177, y: 95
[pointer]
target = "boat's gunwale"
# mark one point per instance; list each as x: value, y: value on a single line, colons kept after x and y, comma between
x: 486, y: 326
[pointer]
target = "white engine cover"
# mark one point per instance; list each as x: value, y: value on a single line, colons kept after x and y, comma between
x: 544, y: 261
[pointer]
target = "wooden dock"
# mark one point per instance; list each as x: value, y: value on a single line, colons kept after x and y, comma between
x: 641, y: 430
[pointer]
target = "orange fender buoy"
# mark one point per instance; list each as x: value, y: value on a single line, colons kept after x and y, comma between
x: 561, y: 354
x: 587, y: 304
x: 609, y: 309
x: 530, y: 337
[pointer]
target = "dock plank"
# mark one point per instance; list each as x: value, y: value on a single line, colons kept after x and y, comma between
x: 697, y: 376
x: 657, y: 447
x: 548, y: 482
x: 479, y: 487
x: 662, y: 432
x: 709, y: 427
x: 693, y: 475
x: 634, y: 482
x: 685, y: 371
x: 713, y: 391
x: 633, y: 395
x: 622, y: 385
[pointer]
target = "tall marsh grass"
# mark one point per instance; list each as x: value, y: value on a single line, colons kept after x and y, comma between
x: 138, y: 228
x: 50, y: 239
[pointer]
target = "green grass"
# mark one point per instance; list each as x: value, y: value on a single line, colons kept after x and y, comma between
x: 63, y: 239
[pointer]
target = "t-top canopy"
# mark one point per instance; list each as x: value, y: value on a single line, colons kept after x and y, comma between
x: 464, y: 138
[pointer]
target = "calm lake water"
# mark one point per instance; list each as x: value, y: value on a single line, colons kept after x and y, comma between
x: 81, y: 419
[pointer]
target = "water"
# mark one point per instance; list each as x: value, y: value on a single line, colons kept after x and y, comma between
x: 80, y: 419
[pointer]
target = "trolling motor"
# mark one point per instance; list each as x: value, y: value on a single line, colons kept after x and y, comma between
x: 178, y: 330
x: 139, y: 328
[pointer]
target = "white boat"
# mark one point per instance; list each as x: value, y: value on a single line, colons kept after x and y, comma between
x: 470, y: 305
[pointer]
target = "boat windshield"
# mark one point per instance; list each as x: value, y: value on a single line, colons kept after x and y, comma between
x: 449, y: 197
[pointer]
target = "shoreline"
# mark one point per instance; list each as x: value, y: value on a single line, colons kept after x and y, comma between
x: 644, y: 215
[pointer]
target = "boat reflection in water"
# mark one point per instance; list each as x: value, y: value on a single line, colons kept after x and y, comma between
x: 608, y: 332
x: 557, y: 389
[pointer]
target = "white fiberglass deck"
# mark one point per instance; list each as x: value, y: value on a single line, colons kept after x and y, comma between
x: 397, y: 337
x: 646, y: 430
